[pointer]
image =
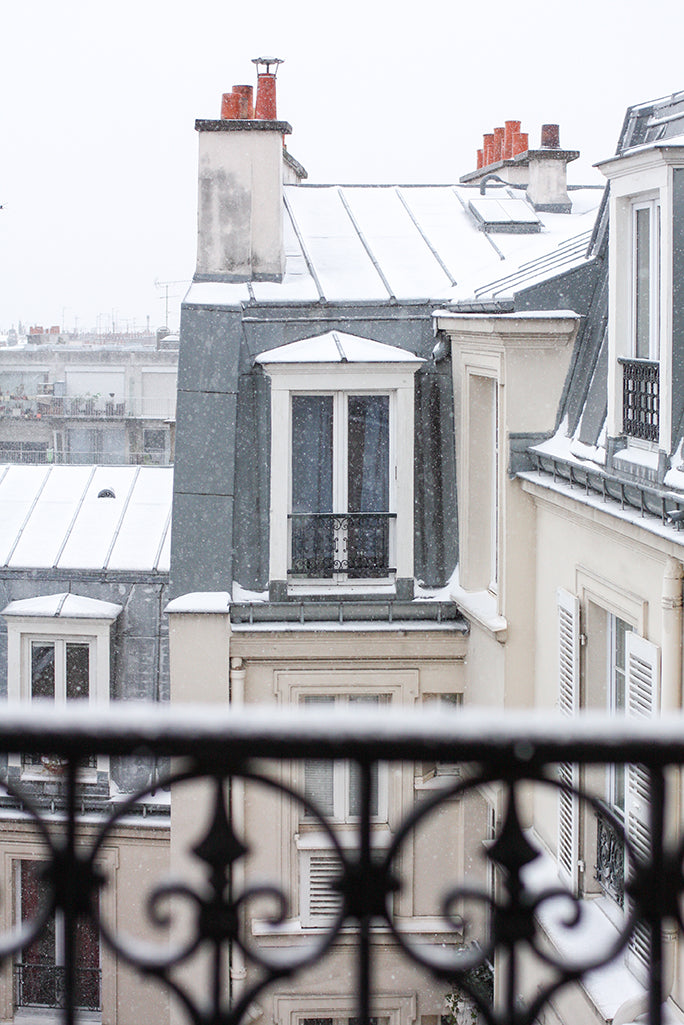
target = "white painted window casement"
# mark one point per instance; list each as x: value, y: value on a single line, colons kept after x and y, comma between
x: 342, y: 412
x: 645, y: 280
x: 334, y: 788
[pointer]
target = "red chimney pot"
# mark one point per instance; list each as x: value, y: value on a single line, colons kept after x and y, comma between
x: 510, y: 128
x: 550, y: 137
x: 498, y: 145
x: 488, y: 147
x: 229, y: 107
x: 245, y: 102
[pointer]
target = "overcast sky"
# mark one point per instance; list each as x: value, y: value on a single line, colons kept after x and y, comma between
x: 98, y: 150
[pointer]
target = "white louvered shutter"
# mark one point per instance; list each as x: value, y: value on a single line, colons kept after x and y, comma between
x: 642, y: 673
x: 568, y: 701
x: 320, y: 901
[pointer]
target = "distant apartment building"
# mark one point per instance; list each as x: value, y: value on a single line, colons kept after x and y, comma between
x: 85, y: 405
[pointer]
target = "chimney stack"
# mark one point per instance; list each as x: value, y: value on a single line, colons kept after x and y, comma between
x: 240, y: 217
x: 543, y: 172
x: 547, y: 185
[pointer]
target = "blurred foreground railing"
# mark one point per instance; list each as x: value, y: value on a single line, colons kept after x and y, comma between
x: 226, y: 752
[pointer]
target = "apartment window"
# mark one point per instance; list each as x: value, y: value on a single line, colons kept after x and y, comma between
x: 58, y: 649
x: 39, y: 968
x: 641, y: 370
x: 154, y: 446
x: 334, y: 787
x: 340, y: 486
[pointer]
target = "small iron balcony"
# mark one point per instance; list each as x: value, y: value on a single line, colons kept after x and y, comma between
x: 640, y: 398
x: 356, y: 544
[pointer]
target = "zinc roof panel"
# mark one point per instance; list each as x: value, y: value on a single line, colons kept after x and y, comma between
x: 45, y: 531
x: 97, y: 520
x: 142, y: 529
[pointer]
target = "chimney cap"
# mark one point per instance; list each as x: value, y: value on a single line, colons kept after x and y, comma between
x: 268, y: 61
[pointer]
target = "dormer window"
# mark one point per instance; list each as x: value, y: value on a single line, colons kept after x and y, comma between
x: 644, y: 327
x: 341, y: 465
x: 340, y: 504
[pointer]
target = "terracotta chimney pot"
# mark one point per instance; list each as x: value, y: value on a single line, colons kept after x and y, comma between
x: 245, y: 95
x: 488, y: 148
x: 229, y: 107
x: 550, y: 137
x: 480, y: 159
x: 498, y: 144
x: 510, y: 128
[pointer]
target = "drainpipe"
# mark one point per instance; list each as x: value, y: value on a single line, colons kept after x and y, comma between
x: 236, y: 697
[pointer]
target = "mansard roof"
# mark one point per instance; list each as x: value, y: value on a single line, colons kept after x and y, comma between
x: 383, y: 243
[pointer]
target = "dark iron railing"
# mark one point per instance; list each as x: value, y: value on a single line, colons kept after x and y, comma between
x: 224, y: 750
x: 640, y: 399
x: 610, y: 859
x: 357, y: 544
x: 43, y: 985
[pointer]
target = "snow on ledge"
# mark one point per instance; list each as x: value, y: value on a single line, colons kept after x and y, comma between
x: 608, y: 987
x: 198, y: 602
x: 63, y: 606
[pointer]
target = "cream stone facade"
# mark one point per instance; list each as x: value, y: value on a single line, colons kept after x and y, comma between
x: 570, y: 492
x: 285, y: 667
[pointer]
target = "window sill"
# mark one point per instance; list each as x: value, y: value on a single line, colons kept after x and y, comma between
x: 481, y: 607
x: 303, y: 588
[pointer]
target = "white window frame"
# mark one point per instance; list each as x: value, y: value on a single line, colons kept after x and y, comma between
x: 342, y: 770
x: 654, y: 278
x: 394, y: 380
x: 340, y: 478
x: 637, y: 179
x: 400, y: 1009
x: 95, y: 631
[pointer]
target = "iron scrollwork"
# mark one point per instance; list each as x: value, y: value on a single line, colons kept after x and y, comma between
x: 206, y: 920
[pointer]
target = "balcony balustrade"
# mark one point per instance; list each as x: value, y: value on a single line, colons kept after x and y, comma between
x: 86, y: 407
x: 640, y: 399
x: 324, y: 544
x: 219, y: 752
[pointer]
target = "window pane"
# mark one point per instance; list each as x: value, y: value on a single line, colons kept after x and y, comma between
x: 77, y: 671
x: 642, y: 284
x: 368, y: 454
x: 319, y: 775
x: 42, y: 670
x: 312, y: 453
x: 368, y: 485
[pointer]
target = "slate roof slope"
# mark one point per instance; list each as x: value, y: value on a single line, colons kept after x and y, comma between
x: 86, y: 517
x: 360, y: 243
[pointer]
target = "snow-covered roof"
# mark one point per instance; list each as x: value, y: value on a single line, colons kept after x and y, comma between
x: 63, y: 606
x: 411, y: 243
x: 336, y: 347
x: 86, y: 517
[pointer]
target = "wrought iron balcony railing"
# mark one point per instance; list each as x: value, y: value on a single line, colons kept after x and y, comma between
x: 324, y: 544
x: 43, y: 985
x: 640, y: 398
x: 219, y: 753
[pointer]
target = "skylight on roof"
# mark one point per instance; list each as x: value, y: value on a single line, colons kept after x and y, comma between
x: 505, y: 214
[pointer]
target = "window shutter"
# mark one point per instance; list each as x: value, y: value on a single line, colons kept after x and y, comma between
x: 643, y: 687
x: 568, y: 700
x: 320, y: 901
